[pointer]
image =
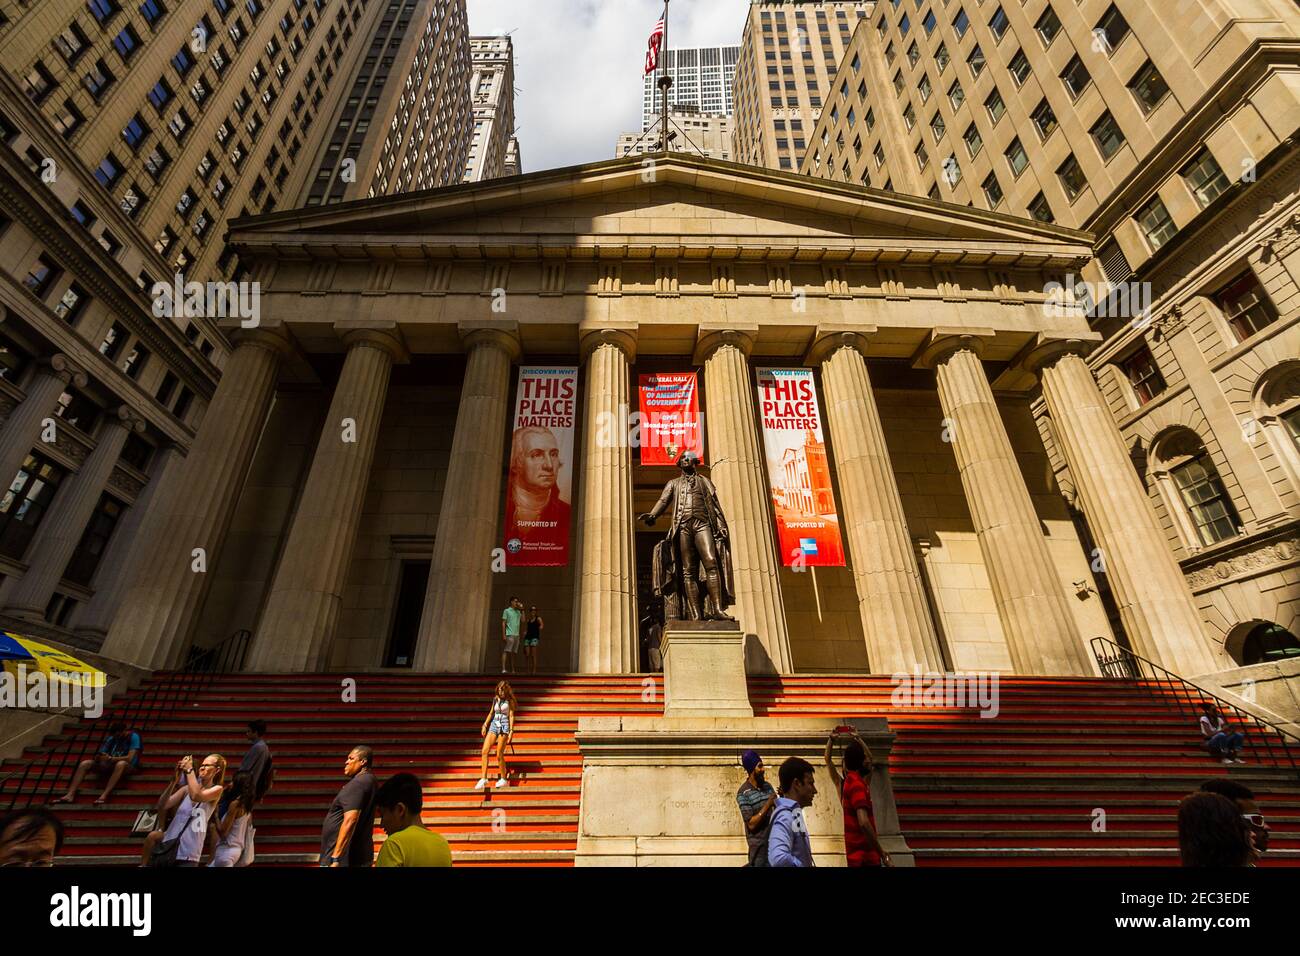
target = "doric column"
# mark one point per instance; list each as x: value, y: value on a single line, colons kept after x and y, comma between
x: 1157, y: 609
x: 736, y: 469
x: 457, y: 606
x: 187, y: 526
x: 61, y: 532
x: 891, y: 598
x: 92, y: 621
x: 22, y: 429
x: 1041, y: 633
x: 302, y: 609
x: 605, y: 636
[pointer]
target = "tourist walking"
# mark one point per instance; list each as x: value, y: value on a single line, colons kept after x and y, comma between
x: 347, y: 835
x: 756, y: 799
x: 233, y: 830
x: 532, y: 637
x: 511, y: 625
x: 788, y: 843
x: 498, y: 728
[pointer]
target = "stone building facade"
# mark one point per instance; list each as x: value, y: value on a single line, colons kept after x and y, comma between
x: 402, y: 318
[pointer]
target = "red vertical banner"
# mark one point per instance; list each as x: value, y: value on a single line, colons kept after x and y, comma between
x: 670, y: 417
x: 798, y: 470
x: 539, y: 489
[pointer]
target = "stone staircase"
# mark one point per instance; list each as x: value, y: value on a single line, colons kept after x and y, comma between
x: 1021, y: 789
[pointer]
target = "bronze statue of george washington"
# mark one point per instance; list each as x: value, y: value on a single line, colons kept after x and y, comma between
x: 696, y: 550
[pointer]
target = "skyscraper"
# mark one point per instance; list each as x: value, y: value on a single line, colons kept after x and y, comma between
x: 492, y: 90
x: 696, y: 133
x: 702, y: 80
x: 788, y: 57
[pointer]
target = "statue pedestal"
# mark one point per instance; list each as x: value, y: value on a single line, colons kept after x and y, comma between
x: 660, y: 791
x: 704, y: 670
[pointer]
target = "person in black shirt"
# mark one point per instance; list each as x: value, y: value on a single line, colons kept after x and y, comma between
x: 346, y: 837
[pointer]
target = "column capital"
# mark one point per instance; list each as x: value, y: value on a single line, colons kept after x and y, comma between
x: 1048, y: 348
x: 277, y: 339
x: 66, y: 369
x: 621, y: 335
x: 127, y: 417
x: 943, y: 342
x: 712, y: 337
x: 385, y: 336
x: 829, y: 339
x: 501, y: 335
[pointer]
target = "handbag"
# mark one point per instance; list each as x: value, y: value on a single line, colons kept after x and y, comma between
x: 164, y: 853
x: 146, y: 821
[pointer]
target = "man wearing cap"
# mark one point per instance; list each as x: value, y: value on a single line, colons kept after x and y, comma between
x: 756, y: 798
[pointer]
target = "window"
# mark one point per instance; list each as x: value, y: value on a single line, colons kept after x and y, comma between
x: 160, y: 94
x: 77, y: 410
x: 1044, y: 120
x: 153, y: 11
x: 941, y: 58
x: 995, y: 106
x: 25, y: 504
x: 1107, y: 135
x: 71, y: 43
x: 898, y: 82
x: 13, y: 359
x: 126, y: 43
x: 1208, y: 506
x: 922, y: 156
x: 1246, y: 306
x: 924, y: 89
x: 41, y: 276
x: 909, y: 116
x: 1143, y: 374
x: 38, y: 83
x: 167, y: 388
x: 1205, y: 178
x: 1267, y: 643
x: 913, y: 54
x: 103, y: 10
x: 68, y: 120
x: 94, y: 541
x: 179, y: 125
x: 113, y: 342
x: 1017, y: 158
x: 97, y: 80
x: 1156, y: 223
x: 1019, y: 67
x: 1048, y: 26
x: 956, y: 95
x: 1072, y: 178
x: 157, y: 161
x: 1041, y: 209
x: 992, y: 190
x: 1148, y: 87
x: 952, y: 170
x: 974, y: 142
x: 1111, y: 29
x: 108, y: 172
x: 72, y: 304
x: 937, y: 126
x: 961, y: 23
x: 1075, y: 76
x: 879, y: 154
x: 976, y: 61
x: 135, y: 361
x: 134, y: 132
x: 183, y: 62
x: 133, y: 200
x: 998, y: 24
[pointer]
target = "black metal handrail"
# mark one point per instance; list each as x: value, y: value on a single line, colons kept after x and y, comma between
x: 1120, y: 663
x: 140, y: 712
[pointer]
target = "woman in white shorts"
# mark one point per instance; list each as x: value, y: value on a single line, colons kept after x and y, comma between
x: 498, y: 728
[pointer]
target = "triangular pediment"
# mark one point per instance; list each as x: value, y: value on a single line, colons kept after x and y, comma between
x: 664, y: 205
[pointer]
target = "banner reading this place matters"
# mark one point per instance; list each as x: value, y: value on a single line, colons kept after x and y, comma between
x: 539, y: 488
x: 670, y: 417
x: 798, y: 470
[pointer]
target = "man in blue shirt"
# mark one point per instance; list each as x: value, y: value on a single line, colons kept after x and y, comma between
x: 788, y: 843
x: 118, y: 755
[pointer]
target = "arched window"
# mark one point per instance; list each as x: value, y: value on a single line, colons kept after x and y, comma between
x: 1269, y: 642
x: 1277, y: 409
x: 1193, y: 491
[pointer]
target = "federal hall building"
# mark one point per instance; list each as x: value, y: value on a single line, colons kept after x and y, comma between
x: 994, y: 514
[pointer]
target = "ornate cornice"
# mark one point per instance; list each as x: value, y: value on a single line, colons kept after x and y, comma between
x: 1260, y: 554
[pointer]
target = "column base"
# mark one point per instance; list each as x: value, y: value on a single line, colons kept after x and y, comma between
x: 704, y: 670
x: 660, y: 791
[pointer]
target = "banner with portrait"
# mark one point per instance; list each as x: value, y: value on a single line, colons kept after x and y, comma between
x: 539, y: 484
x: 670, y: 417
x: 798, y: 470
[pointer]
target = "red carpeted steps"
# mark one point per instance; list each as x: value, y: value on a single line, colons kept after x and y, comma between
x: 1018, y: 789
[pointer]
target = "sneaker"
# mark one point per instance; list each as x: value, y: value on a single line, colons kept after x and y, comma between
x: 482, y: 782
x: 1237, y: 760
x: 501, y: 782
x: 1227, y: 760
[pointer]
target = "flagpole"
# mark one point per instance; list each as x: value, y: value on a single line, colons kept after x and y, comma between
x: 665, y: 82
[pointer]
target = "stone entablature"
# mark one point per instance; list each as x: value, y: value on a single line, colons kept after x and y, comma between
x: 1240, y: 560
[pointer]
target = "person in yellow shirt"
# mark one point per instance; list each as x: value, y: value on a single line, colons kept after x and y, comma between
x: 398, y: 803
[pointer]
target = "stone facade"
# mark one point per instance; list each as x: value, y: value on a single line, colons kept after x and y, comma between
x: 700, y: 264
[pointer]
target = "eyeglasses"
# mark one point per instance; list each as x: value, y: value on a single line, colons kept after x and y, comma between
x: 1255, y: 819
x: 209, y: 766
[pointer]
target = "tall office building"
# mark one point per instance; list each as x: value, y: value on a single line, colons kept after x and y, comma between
x: 1171, y: 139
x: 695, y: 133
x: 514, y: 163
x: 131, y: 133
x: 405, y: 121
x: 789, y: 54
x: 702, y: 80
x: 492, y: 92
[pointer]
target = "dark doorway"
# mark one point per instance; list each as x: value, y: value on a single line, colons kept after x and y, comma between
x: 406, y: 622
x: 645, y: 546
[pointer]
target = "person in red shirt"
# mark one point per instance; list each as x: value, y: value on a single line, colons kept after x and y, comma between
x: 861, y: 844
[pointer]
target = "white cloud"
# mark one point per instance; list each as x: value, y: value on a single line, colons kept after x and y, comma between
x: 578, y: 65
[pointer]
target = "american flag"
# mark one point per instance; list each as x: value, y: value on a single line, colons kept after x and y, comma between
x: 652, y: 53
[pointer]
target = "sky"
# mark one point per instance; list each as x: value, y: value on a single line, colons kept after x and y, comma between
x: 578, y: 65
